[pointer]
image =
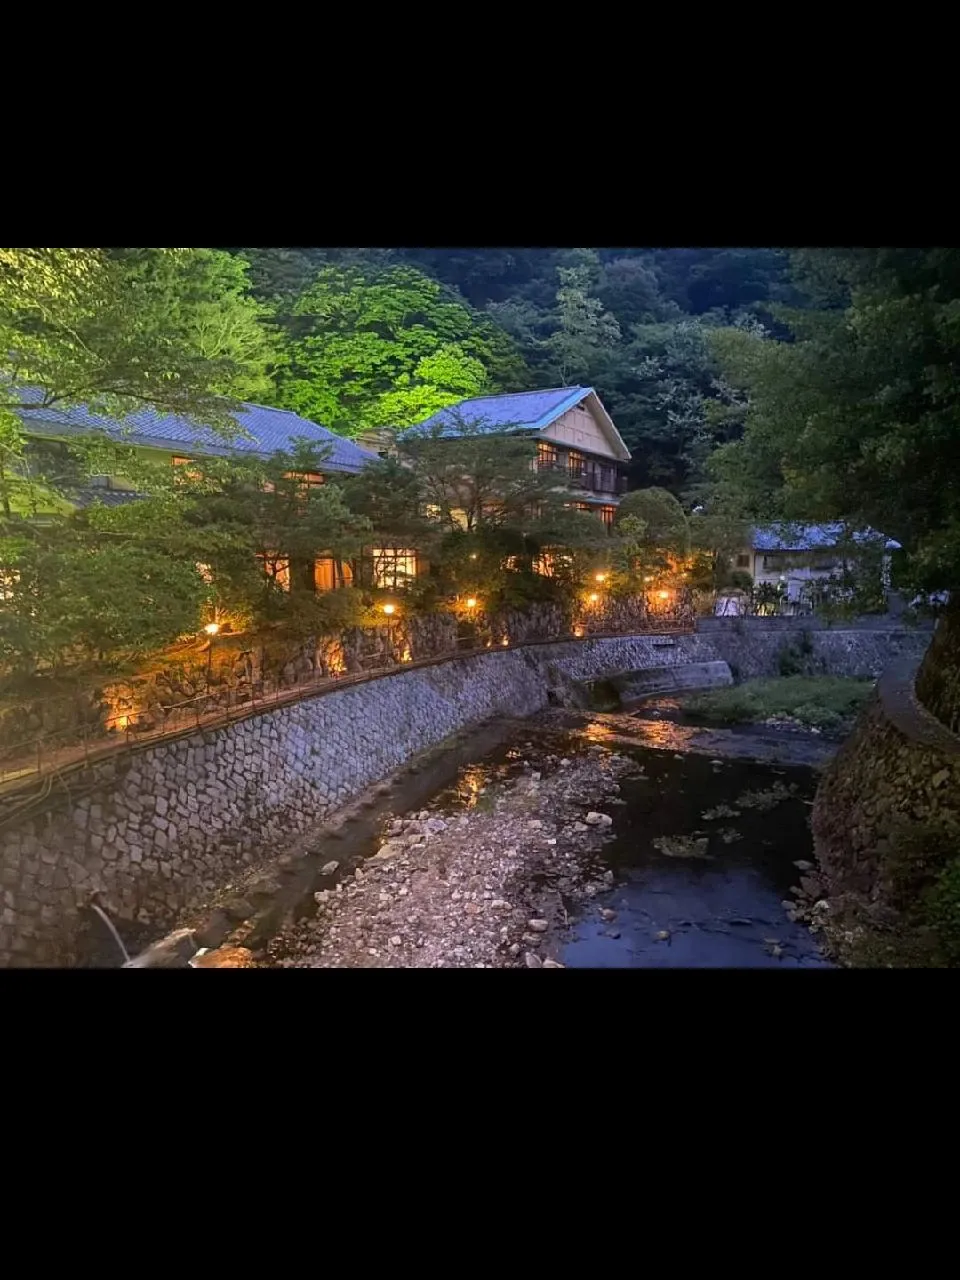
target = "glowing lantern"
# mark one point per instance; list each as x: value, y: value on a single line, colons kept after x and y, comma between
x: 663, y: 595
x: 389, y: 609
x: 212, y: 628
x: 471, y: 602
x: 593, y: 597
x: 601, y: 577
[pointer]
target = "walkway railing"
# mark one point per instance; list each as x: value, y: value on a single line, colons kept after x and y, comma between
x: 37, y: 758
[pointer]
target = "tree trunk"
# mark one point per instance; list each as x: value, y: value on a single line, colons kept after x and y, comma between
x: 938, y: 680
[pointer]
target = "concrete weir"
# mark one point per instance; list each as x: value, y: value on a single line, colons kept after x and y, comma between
x: 634, y: 685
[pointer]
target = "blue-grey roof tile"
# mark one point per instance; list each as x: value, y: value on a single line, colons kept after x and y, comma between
x: 268, y: 430
x: 808, y: 537
x: 526, y: 410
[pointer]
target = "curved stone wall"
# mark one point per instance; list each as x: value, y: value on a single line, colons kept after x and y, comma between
x: 895, y: 777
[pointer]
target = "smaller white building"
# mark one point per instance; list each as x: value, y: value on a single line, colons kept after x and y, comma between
x: 790, y: 557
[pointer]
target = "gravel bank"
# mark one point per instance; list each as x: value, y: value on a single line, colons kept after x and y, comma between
x: 488, y: 887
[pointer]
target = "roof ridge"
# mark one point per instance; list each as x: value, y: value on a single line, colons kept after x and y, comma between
x: 537, y: 391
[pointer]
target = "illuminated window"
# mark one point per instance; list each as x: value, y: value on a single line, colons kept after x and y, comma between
x: 576, y: 463
x: 578, y: 506
x: 328, y: 573
x: 393, y: 567
x: 277, y: 568
x: 182, y: 466
x: 9, y: 578
x: 548, y: 563
x: 546, y: 455
x: 305, y: 479
x: 607, y: 514
x: 204, y: 572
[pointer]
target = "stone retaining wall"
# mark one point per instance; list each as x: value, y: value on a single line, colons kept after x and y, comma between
x: 156, y: 830
x: 887, y: 812
x: 164, y: 827
x: 753, y: 647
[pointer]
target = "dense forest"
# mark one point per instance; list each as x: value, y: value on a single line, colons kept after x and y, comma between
x: 377, y: 337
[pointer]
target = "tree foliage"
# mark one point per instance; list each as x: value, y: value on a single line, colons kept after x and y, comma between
x: 856, y: 418
x: 385, y: 349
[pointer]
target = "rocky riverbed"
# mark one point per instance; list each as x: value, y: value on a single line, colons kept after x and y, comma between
x: 491, y: 886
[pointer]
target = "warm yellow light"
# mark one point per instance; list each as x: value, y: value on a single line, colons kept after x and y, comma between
x: 648, y: 578
x: 593, y: 597
x: 388, y: 609
x: 664, y: 595
x: 212, y: 628
x: 471, y: 602
x: 601, y: 577
x: 473, y: 555
x: 121, y: 722
x: 505, y: 641
x: 578, y: 631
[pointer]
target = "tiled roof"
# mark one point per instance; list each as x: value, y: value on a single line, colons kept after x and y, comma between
x: 527, y: 410
x: 87, y: 496
x: 268, y: 430
x: 808, y: 537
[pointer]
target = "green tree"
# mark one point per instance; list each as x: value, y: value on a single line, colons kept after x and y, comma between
x: 118, y: 329
x: 856, y: 419
x: 585, y: 331
x: 385, y: 349
x: 473, y: 477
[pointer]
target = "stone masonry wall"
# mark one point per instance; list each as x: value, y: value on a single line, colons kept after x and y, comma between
x: 158, y: 829
x: 155, y: 830
x: 887, y: 812
x: 753, y: 647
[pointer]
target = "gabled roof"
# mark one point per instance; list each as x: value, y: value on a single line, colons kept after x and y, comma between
x: 268, y: 431
x: 520, y: 411
x: 809, y: 537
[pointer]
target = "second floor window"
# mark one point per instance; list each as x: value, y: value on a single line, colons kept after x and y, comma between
x: 576, y: 463
x: 607, y: 514
x: 546, y: 455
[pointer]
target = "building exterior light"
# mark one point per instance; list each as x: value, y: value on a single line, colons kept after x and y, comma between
x: 473, y: 555
x: 578, y: 631
x: 212, y: 628
x: 389, y: 609
x: 505, y: 641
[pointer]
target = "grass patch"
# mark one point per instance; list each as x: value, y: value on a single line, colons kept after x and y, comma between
x: 820, y: 702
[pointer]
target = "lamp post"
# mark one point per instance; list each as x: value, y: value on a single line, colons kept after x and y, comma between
x: 211, y: 629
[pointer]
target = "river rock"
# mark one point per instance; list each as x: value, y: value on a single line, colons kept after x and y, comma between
x: 532, y: 961
x: 594, y: 819
x: 389, y: 850
x: 607, y: 914
x: 552, y: 964
x: 329, y: 867
x: 538, y: 926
